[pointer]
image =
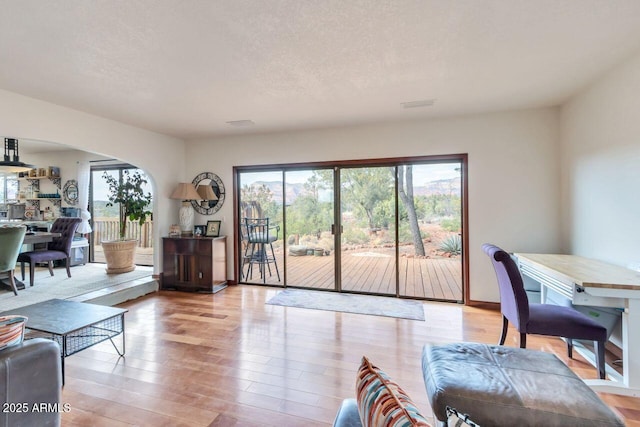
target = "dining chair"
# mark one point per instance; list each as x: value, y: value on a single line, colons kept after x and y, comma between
x: 11, y: 238
x: 541, y: 319
x: 58, y: 249
x: 259, y: 234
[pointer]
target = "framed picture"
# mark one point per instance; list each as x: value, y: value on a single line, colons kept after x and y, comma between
x: 213, y: 228
x: 199, y: 230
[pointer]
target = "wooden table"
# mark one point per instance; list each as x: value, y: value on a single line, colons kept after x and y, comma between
x: 596, y: 283
x: 39, y: 237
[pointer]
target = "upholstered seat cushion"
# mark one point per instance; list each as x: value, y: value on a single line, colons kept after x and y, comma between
x: 506, y: 386
x: 259, y: 237
x: 41, y: 256
x: 548, y: 319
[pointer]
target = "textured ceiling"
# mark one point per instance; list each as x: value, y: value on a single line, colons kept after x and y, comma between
x: 187, y: 67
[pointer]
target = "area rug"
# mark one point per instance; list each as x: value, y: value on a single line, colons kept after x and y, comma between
x: 84, y: 279
x: 350, y: 303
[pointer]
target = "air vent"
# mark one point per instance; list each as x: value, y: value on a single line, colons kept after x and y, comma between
x: 241, y: 123
x: 418, y: 104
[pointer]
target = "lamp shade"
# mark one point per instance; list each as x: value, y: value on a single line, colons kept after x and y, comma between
x: 185, y: 191
x: 206, y: 192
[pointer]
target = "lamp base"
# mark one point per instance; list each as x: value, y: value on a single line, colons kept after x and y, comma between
x: 186, y: 216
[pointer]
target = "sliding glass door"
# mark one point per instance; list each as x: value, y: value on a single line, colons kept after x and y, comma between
x: 309, y: 218
x: 392, y: 228
x: 261, y: 230
x: 368, y: 238
x: 430, y: 231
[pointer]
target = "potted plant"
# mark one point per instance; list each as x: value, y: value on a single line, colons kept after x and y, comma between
x: 129, y: 194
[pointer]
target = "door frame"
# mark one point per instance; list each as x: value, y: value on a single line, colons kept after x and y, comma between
x: 392, y: 161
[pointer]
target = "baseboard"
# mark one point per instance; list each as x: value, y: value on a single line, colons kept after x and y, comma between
x: 495, y: 306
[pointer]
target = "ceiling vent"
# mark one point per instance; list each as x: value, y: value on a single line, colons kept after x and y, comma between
x: 241, y: 123
x: 418, y: 104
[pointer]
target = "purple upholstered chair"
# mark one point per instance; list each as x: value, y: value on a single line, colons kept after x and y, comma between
x: 540, y: 319
x: 59, y: 248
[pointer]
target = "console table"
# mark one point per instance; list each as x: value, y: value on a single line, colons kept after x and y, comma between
x: 591, y: 282
x: 196, y: 264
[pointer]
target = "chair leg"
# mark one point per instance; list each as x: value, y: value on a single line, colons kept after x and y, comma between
x: 505, y: 327
x: 569, y: 348
x: 12, y: 281
x: 50, y: 265
x: 275, y: 263
x: 600, y: 362
x: 31, y: 273
x: 523, y: 340
x: 68, y: 265
x: 22, y: 270
x: 250, y: 269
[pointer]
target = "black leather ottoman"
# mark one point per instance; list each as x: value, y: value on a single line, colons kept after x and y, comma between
x: 506, y: 386
x: 30, y: 384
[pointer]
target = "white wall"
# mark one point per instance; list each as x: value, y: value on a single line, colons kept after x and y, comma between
x: 600, y: 136
x: 513, y: 172
x: 160, y: 156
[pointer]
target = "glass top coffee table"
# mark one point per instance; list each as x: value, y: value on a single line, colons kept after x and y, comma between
x: 75, y: 326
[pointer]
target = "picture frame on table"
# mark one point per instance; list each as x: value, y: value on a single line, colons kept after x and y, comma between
x: 199, y: 230
x: 213, y: 228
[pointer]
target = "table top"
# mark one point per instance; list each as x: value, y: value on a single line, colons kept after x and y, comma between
x: 61, y: 317
x: 39, y: 237
x: 585, y: 272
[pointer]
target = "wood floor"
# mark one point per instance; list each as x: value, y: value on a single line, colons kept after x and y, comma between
x: 229, y: 359
x: 372, y: 272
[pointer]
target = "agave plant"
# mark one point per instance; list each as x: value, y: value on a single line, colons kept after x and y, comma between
x: 452, y: 245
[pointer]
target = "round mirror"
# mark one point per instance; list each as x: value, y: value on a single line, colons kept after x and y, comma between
x: 70, y: 192
x: 212, y: 200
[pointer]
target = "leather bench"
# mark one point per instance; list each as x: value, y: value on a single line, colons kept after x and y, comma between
x: 506, y: 386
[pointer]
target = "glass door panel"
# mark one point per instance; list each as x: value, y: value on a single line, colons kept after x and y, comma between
x: 261, y: 231
x: 429, y: 236
x: 368, y: 217
x: 309, y: 217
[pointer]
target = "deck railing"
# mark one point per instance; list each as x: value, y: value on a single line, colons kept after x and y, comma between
x: 109, y: 229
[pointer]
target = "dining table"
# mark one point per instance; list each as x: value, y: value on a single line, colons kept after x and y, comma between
x: 31, y: 238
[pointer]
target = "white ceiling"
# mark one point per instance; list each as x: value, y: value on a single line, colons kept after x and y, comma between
x: 186, y: 67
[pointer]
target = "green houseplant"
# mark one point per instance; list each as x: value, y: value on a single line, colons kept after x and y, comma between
x: 128, y: 193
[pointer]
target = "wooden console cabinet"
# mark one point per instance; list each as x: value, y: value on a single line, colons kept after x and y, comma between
x: 196, y: 264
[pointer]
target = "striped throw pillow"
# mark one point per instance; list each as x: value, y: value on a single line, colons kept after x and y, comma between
x: 11, y: 330
x: 381, y: 402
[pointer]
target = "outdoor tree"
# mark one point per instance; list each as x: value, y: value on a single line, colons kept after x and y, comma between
x: 260, y: 196
x: 405, y: 191
x: 129, y: 194
x: 365, y: 188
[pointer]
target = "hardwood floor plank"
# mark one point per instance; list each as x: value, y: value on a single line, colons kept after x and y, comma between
x: 229, y: 359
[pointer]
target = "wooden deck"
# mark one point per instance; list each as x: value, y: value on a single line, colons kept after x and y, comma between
x: 371, y: 272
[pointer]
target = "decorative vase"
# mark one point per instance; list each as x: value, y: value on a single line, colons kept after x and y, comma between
x: 120, y: 255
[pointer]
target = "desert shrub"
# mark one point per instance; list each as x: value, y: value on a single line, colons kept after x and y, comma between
x: 355, y: 236
x: 451, y: 245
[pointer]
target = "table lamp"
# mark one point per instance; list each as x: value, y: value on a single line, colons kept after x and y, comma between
x: 186, y: 192
x: 206, y: 193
